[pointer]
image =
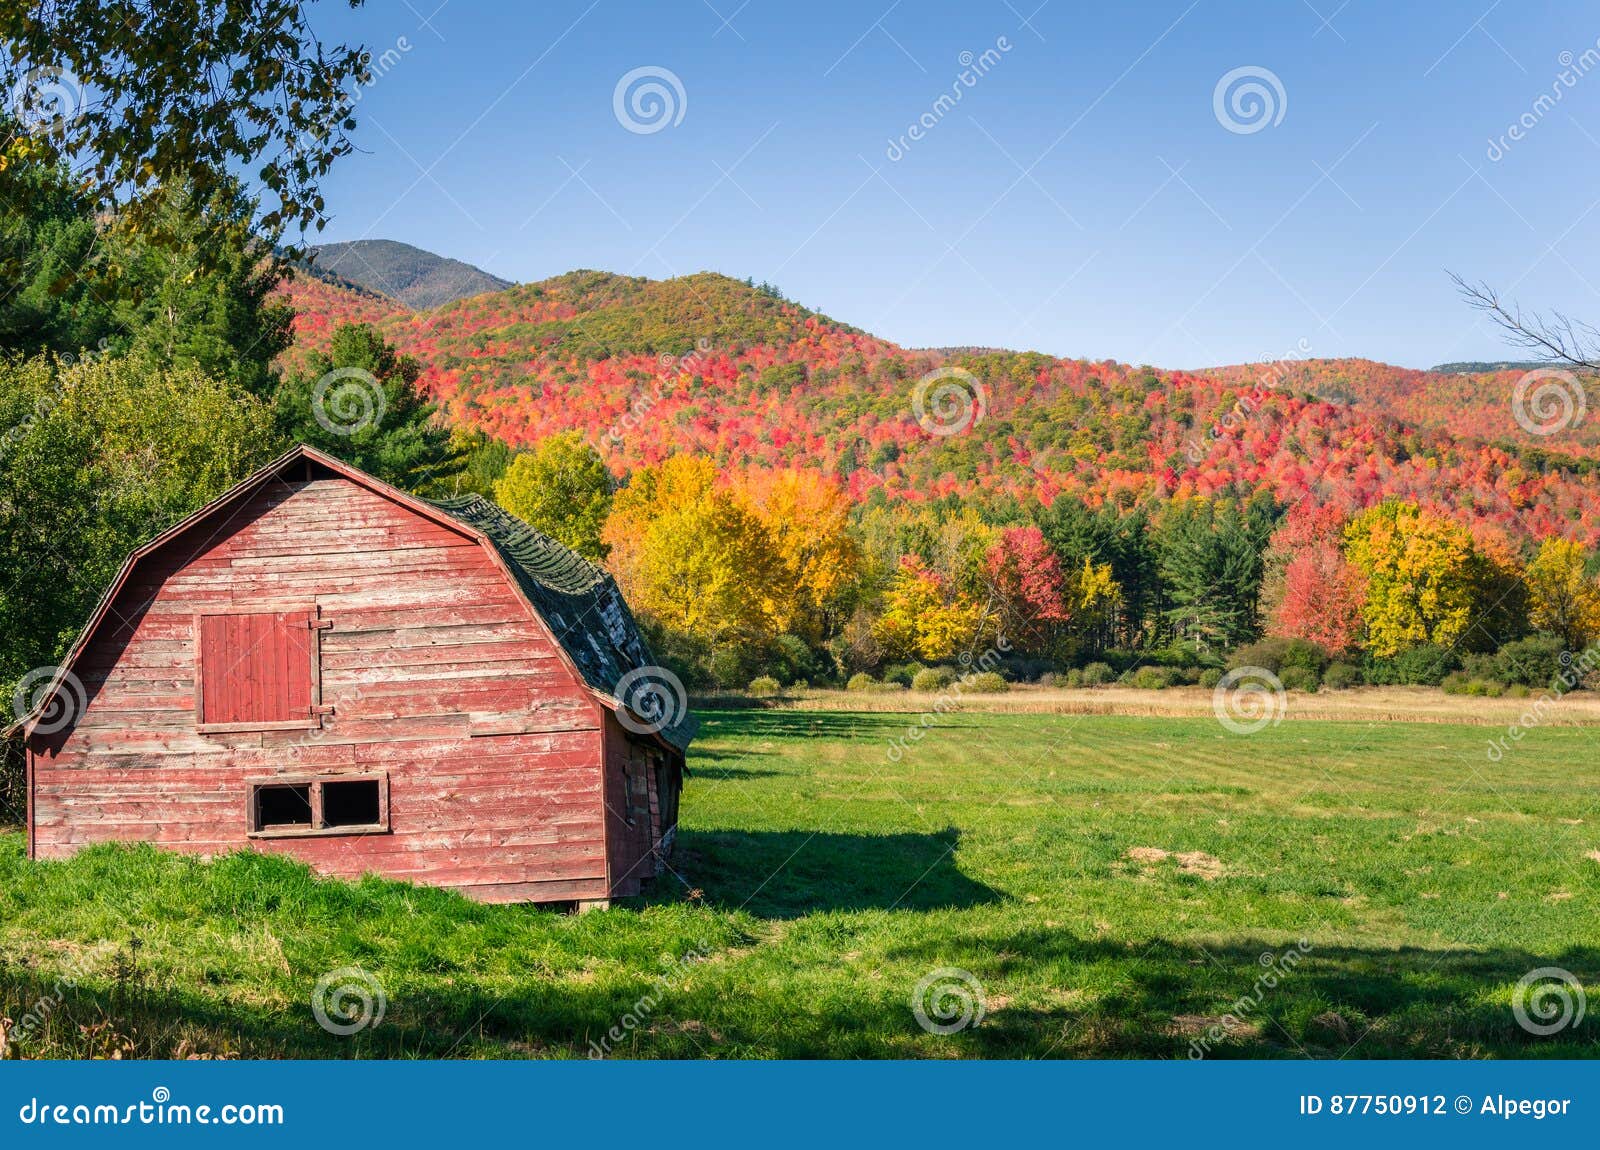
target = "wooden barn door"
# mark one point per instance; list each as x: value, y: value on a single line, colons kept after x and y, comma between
x: 257, y: 670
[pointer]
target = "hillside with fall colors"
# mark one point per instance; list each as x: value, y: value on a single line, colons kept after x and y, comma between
x: 707, y: 363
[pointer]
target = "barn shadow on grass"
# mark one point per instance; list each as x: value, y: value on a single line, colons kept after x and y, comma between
x: 786, y: 874
x: 1248, y: 998
x: 1103, y: 999
x: 733, y: 770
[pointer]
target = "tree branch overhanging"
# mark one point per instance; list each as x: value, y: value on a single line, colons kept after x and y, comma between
x: 1556, y: 339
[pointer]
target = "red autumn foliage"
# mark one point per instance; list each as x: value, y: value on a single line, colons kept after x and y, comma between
x: 710, y: 365
x: 1312, y: 592
x: 1029, y: 587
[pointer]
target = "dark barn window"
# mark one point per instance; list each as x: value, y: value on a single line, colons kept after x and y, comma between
x: 352, y: 804
x: 287, y: 806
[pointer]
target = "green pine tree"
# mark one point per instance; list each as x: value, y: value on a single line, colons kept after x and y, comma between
x: 359, y: 401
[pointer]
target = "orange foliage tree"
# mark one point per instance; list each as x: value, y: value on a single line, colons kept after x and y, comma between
x: 806, y: 515
x: 1029, y: 589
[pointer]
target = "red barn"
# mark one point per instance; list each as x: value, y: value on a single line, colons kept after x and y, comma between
x: 320, y: 665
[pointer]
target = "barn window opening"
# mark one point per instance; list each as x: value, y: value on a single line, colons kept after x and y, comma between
x: 285, y: 806
x: 352, y: 804
x: 327, y: 806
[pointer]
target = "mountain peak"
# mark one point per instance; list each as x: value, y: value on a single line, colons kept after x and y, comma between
x: 417, y: 278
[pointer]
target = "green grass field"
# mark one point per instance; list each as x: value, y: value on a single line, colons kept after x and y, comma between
x: 1337, y: 888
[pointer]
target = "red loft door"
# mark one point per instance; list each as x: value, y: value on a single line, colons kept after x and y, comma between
x: 256, y: 668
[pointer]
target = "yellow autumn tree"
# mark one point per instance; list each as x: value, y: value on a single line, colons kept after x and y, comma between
x: 562, y: 488
x: 1094, y: 595
x: 1562, y: 599
x: 1422, y: 576
x: 807, y: 519
x: 691, y: 555
x: 924, y: 617
x: 960, y: 546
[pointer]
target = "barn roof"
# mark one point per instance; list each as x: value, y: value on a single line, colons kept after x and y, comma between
x: 584, y: 608
x: 577, y: 600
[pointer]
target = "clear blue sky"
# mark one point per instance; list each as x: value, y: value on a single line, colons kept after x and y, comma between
x: 1082, y: 198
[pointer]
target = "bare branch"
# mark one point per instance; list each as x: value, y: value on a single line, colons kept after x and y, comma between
x: 1558, y: 339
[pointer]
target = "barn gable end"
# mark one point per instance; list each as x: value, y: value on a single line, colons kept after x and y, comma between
x: 384, y: 693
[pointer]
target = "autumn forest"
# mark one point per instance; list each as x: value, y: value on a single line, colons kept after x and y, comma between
x: 785, y: 496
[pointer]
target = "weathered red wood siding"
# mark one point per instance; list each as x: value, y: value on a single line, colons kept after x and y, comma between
x: 438, y: 673
x: 632, y: 826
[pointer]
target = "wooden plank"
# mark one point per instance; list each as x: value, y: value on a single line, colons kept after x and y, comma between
x: 553, y: 890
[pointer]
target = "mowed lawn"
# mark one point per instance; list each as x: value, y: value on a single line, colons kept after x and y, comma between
x: 1092, y: 886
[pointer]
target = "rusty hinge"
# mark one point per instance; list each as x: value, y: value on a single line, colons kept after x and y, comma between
x: 320, y: 624
x: 320, y: 709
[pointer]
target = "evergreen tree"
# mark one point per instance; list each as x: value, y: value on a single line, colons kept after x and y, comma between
x: 47, y: 252
x: 484, y: 460
x: 1211, y: 564
x: 359, y: 401
x: 195, y: 287
x: 1120, y: 539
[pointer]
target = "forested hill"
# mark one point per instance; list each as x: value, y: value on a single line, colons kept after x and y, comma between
x: 645, y: 368
x: 1476, y: 404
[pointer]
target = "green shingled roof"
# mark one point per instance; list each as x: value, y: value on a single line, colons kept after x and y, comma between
x: 584, y: 608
